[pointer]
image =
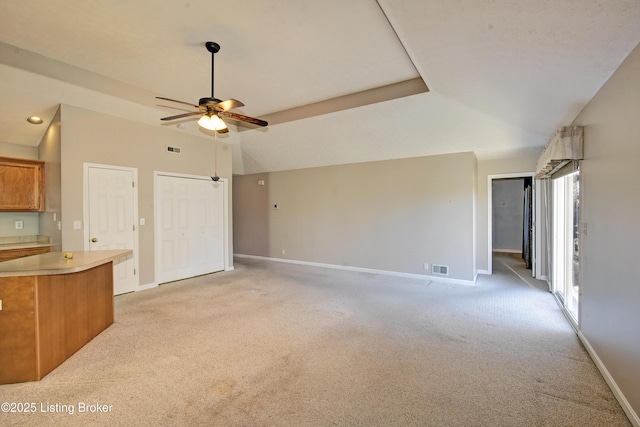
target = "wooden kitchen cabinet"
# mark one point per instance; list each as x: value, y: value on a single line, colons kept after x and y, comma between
x: 21, y: 185
x: 46, y: 319
x: 51, y: 307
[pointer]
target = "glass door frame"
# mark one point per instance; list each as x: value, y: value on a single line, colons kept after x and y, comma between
x: 565, y: 265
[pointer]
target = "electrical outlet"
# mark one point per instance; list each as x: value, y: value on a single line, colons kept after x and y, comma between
x: 426, y: 265
x: 19, y: 225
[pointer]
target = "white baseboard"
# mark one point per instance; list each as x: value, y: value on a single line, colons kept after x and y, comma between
x: 155, y: 285
x: 626, y: 406
x: 483, y: 272
x: 364, y: 270
x: 147, y: 286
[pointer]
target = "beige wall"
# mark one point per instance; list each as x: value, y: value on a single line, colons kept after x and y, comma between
x: 391, y: 215
x: 93, y: 137
x: 29, y: 224
x: 19, y: 151
x: 610, y: 299
x: 49, y: 152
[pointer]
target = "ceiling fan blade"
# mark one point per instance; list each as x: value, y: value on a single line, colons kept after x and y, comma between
x: 229, y: 104
x: 242, y: 118
x: 180, y: 116
x: 175, y: 100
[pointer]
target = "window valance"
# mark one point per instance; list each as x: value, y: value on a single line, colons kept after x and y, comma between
x: 564, y: 147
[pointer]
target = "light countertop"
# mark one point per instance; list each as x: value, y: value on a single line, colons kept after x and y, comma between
x: 12, y: 246
x: 54, y: 263
x: 23, y: 242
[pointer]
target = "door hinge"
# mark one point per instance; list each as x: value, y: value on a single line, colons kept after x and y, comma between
x: 134, y: 227
x: 133, y: 184
x: 134, y: 271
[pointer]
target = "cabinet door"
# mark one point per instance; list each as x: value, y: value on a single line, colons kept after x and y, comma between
x: 21, y: 185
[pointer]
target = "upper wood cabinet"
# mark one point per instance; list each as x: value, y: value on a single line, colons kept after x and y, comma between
x: 21, y: 185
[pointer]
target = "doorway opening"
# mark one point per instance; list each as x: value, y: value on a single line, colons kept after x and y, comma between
x: 512, y: 214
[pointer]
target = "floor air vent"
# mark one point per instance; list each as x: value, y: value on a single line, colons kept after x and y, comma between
x: 440, y: 269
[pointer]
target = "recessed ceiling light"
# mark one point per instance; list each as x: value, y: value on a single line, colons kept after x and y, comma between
x: 35, y: 120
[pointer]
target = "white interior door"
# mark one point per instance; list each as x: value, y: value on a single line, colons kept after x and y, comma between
x: 189, y: 226
x: 111, y: 219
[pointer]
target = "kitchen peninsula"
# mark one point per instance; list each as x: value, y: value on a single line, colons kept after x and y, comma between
x: 50, y: 307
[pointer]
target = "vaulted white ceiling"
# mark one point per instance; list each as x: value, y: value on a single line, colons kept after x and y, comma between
x: 502, y: 74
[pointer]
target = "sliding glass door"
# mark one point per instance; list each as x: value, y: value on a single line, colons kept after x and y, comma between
x: 566, y: 242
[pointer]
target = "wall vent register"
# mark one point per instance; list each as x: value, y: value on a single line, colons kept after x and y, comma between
x: 440, y: 269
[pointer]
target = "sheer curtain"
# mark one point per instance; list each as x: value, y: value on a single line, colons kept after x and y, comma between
x: 559, y: 164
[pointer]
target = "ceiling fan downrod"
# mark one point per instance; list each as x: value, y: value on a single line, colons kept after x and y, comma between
x: 212, y: 47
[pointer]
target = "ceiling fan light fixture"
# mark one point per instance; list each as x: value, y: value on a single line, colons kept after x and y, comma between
x: 212, y: 122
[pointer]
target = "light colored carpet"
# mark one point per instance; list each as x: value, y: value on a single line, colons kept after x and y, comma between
x: 274, y: 344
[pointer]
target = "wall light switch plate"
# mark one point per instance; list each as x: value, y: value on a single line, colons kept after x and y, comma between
x: 77, y: 225
x: 142, y: 221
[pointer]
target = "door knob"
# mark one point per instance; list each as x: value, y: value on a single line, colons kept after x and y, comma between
x: 95, y: 239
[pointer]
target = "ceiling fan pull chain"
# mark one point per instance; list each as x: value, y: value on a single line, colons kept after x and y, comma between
x: 215, y: 176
